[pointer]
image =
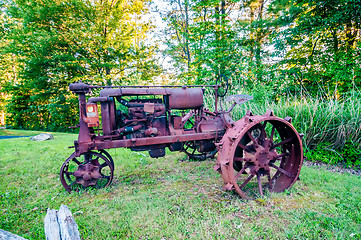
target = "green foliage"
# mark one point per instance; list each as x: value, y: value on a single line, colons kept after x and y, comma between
x: 323, y: 153
x: 323, y: 39
x: 50, y: 44
x: 286, y: 45
x: 208, y: 38
x: 351, y: 153
x: 328, y: 125
x: 308, y: 49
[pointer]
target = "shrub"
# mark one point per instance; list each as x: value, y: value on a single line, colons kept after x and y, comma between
x: 332, y: 127
x: 323, y: 153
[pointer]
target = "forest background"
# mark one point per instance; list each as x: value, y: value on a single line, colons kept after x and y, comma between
x: 300, y: 58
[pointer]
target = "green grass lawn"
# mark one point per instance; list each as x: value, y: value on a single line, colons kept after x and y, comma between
x: 15, y: 132
x: 169, y: 198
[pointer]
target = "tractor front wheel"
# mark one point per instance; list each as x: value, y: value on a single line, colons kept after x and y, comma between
x: 91, y: 169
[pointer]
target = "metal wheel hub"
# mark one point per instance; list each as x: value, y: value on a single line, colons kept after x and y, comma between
x: 87, y: 174
x: 262, y: 157
x: 258, y: 161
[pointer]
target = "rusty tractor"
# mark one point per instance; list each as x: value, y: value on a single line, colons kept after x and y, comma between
x: 264, y: 148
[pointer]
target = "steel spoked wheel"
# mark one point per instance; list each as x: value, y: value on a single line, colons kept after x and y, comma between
x: 107, y: 155
x: 222, y: 81
x: 190, y: 148
x: 259, y: 153
x: 91, y: 169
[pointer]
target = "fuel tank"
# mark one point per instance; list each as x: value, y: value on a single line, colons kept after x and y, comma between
x: 185, y: 98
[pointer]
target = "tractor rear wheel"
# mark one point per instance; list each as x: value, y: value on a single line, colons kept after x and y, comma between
x: 260, y: 152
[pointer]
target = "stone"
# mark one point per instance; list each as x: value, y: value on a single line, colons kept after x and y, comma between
x: 42, y: 137
x: 9, y: 236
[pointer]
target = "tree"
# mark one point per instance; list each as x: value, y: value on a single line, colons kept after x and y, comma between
x: 59, y: 42
x: 324, y: 43
x: 225, y: 37
x: 201, y: 39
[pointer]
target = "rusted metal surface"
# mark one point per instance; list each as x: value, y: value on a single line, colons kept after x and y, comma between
x: 149, y: 118
x: 90, y: 169
x: 265, y: 148
x: 185, y: 98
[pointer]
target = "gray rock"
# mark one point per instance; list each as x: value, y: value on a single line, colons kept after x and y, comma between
x: 9, y: 236
x: 42, y: 137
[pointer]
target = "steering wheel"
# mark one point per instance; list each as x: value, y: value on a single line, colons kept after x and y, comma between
x: 222, y: 80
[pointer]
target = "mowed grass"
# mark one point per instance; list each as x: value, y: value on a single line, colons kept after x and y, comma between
x: 16, y: 132
x: 169, y: 198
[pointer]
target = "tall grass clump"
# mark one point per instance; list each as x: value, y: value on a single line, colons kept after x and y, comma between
x: 329, y: 125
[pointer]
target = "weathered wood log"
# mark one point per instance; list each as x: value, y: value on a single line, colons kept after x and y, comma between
x: 4, y: 235
x: 68, y: 228
x: 60, y: 225
x: 51, y: 225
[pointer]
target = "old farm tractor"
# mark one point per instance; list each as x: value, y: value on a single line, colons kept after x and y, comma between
x: 152, y: 118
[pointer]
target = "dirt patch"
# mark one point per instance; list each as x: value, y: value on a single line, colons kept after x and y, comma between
x: 333, y: 168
